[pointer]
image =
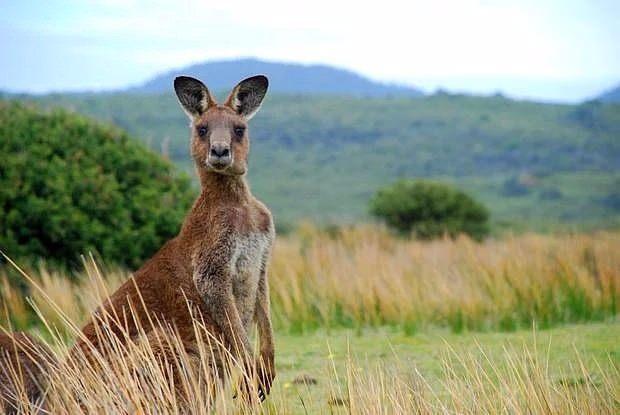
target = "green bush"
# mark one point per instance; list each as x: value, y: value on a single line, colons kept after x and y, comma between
x: 429, y: 209
x: 69, y: 186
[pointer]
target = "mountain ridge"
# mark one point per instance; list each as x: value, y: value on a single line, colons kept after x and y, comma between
x: 611, y: 95
x: 284, y: 77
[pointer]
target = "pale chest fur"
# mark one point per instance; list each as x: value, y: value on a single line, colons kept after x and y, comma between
x: 249, y: 256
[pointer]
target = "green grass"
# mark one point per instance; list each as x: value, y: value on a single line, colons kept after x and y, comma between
x: 316, y: 355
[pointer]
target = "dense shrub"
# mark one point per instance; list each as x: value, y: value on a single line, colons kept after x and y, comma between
x: 69, y: 185
x: 429, y: 209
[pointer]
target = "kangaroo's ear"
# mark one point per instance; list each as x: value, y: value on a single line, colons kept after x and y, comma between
x: 193, y: 96
x: 247, y: 96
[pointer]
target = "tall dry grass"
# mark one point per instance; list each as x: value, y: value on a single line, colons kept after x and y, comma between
x: 134, y: 377
x: 364, y: 276
x: 355, y: 277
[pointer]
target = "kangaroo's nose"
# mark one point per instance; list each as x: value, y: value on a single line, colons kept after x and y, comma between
x: 219, y: 155
x: 219, y: 150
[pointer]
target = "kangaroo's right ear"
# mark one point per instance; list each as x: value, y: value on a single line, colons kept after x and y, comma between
x: 246, y: 97
x: 193, y: 96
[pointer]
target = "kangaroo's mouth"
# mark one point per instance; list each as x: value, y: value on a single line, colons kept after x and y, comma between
x: 219, y: 167
x: 229, y: 168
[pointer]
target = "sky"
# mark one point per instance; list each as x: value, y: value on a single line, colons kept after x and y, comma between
x: 552, y: 50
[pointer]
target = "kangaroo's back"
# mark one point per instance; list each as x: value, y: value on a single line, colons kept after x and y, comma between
x: 161, y: 292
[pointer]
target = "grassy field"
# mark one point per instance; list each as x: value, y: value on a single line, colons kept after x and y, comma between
x: 572, y: 358
x: 370, y: 323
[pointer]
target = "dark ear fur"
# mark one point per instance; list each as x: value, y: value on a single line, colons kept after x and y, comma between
x: 193, y: 95
x: 247, y: 96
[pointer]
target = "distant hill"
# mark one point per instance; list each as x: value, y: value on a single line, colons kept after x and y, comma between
x: 613, y: 95
x: 285, y: 78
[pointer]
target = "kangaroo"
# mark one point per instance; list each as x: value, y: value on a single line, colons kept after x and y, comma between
x: 218, y: 261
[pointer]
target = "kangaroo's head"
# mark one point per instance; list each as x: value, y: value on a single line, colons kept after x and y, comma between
x: 219, y: 133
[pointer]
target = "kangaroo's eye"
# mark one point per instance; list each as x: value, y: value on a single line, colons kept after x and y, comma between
x: 202, y: 131
x: 239, y: 131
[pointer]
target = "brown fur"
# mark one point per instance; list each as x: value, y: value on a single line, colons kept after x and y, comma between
x: 24, y: 364
x: 218, y: 261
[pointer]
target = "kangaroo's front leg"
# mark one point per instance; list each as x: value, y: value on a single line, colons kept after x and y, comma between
x: 213, y: 280
x: 266, y: 364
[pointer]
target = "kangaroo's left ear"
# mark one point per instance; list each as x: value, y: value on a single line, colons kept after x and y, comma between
x: 193, y: 96
x: 247, y: 96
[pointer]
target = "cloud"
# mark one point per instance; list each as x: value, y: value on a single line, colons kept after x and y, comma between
x: 414, y: 42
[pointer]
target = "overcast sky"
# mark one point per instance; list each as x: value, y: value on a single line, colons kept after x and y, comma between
x: 547, y: 50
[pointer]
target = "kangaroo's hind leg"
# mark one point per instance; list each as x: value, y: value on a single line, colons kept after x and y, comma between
x: 24, y: 370
x: 193, y: 374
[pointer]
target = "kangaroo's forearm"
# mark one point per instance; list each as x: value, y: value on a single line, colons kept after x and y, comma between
x: 216, y: 293
x: 263, y: 316
x: 265, y: 330
x: 266, y: 362
x: 227, y: 317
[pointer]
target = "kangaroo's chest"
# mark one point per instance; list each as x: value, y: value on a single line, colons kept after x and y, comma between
x: 248, y: 258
